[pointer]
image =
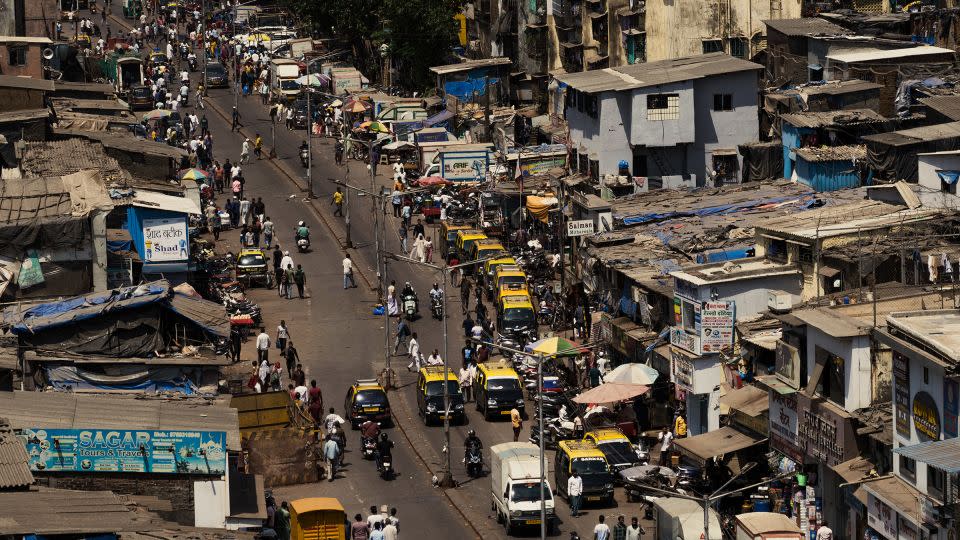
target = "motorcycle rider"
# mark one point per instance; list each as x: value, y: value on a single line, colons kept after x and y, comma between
x: 384, y: 450
x: 370, y: 429
x: 303, y: 152
x: 470, y: 445
x: 184, y: 92
x: 407, y: 290
x: 302, y: 231
x: 436, y: 292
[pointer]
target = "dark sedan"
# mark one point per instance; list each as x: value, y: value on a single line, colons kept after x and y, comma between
x: 216, y: 76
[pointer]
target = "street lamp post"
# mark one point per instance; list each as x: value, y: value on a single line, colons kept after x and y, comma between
x: 447, y: 479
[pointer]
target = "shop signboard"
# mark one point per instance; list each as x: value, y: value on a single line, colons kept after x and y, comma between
x: 880, y: 517
x: 682, y: 371
x: 926, y: 417
x: 580, y: 227
x: 787, y: 364
x: 716, y: 326
x: 687, y: 342
x: 826, y: 432
x: 784, y: 425
x: 951, y: 406
x: 132, y: 451
x: 901, y: 394
x: 464, y: 165
x: 165, y: 240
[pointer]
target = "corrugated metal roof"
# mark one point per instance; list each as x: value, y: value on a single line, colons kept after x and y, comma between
x: 29, y: 83
x: 916, y: 135
x: 14, y: 462
x: 647, y: 74
x: 749, y: 400
x: 470, y: 64
x: 848, y: 117
x: 948, y: 106
x: 74, y: 411
x: 57, y: 511
x: 805, y: 26
x: 944, y: 455
x: 870, y: 55
x: 714, y: 443
x: 833, y: 153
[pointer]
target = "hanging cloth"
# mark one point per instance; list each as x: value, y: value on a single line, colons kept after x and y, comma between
x: 932, y: 266
x: 947, y: 266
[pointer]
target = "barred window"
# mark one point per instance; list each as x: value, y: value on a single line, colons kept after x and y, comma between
x: 663, y: 107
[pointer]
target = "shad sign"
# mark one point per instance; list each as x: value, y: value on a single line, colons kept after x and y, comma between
x: 165, y: 240
x: 133, y: 451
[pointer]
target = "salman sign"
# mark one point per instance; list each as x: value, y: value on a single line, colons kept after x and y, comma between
x: 102, y: 450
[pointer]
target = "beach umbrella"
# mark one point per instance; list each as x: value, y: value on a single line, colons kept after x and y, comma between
x: 375, y: 126
x: 156, y: 114
x: 194, y: 174
x: 313, y: 80
x: 355, y: 106
x: 611, y: 392
x: 556, y: 346
x: 633, y: 373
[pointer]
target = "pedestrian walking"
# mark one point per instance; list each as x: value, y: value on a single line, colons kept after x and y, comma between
x: 517, y: 422
x: 284, y: 283
x: 359, y: 529
x: 348, y: 272
x: 402, y: 235
x: 268, y: 229
x: 620, y: 529
x: 665, y: 438
x: 337, y: 201
x: 245, y: 151
x: 315, y: 397
x: 331, y: 451
x: 413, y: 350
x: 283, y: 335
x: 465, y: 300
x: 401, y: 335
x: 236, y: 340
x: 419, y: 249
x: 574, y: 492
x: 465, y: 383
x: 263, y: 345
x: 258, y: 146
x: 299, y: 279
x: 282, y: 522
x: 235, y: 124
x: 635, y: 531
x: 289, y: 275
x: 289, y: 118
x: 244, y: 211
x: 602, y: 530
x: 395, y: 199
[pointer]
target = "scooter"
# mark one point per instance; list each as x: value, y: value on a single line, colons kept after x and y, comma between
x: 386, y: 468
x: 304, y: 156
x: 436, y: 307
x: 303, y: 244
x: 409, y: 306
x: 474, y: 461
x: 369, y: 446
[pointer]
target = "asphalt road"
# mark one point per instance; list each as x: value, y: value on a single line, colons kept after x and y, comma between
x: 339, y: 340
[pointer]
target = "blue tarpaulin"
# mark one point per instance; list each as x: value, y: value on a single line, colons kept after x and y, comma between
x: 950, y: 177
x: 442, y: 116
x: 465, y: 90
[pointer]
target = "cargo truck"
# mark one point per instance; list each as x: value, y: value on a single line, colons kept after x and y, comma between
x: 515, y: 486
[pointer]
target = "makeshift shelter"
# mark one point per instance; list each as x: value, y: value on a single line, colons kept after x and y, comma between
x: 893, y: 155
x: 539, y: 207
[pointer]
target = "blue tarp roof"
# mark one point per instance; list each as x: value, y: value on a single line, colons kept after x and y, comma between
x: 208, y: 315
x: 441, y: 116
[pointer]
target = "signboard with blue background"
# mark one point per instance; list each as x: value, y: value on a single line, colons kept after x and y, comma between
x: 134, y: 451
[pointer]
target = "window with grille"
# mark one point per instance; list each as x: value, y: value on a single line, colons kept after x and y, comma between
x: 738, y: 47
x: 663, y: 107
x: 722, y: 102
x: 18, y: 56
x: 712, y: 46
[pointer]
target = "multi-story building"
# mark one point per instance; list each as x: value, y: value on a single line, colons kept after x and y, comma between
x: 682, y: 117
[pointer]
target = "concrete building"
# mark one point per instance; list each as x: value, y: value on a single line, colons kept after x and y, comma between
x: 919, y: 498
x: 788, y: 45
x: 681, y: 117
x: 937, y: 174
x: 23, y: 55
x: 23, y: 18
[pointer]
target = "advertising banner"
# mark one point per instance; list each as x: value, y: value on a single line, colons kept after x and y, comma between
x: 716, y: 326
x: 165, y: 240
x: 104, y: 450
x: 464, y: 166
x: 901, y: 394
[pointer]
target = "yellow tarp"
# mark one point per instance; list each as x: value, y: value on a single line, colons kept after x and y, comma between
x: 540, y: 206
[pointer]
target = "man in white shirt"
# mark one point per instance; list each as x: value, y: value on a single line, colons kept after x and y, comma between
x: 263, y: 345
x: 465, y: 383
x: 304, y: 394
x: 413, y: 349
x: 601, y: 531
x: 824, y: 532
x: 574, y: 493
x: 666, y: 442
x: 348, y: 272
x: 634, y: 531
x: 434, y: 359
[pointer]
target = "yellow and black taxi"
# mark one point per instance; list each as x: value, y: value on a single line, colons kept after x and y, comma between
x: 490, y: 272
x: 252, y: 267
x: 430, y: 396
x: 487, y: 248
x: 619, y: 451
x: 448, y: 238
x: 507, y: 275
x: 497, y: 390
x: 589, y: 462
x: 465, y: 240
x: 366, y: 400
x: 517, y: 317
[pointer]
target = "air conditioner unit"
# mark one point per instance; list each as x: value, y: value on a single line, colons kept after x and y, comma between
x: 779, y: 301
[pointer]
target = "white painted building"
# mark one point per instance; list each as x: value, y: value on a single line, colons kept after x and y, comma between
x: 938, y: 174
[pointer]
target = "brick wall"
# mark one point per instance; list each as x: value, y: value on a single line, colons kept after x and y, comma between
x: 178, y: 489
